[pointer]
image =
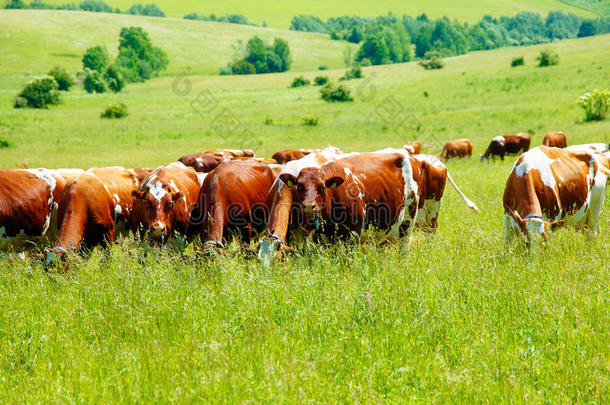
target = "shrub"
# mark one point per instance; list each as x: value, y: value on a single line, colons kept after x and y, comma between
x: 113, y: 79
x: 4, y: 143
x: 595, y: 104
x: 300, y: 81
x: 548, y: 57
x: 321, y: 80
x: 323, y: 67
x: 16, y: 4
x: 95, y: 58
x: 138, y: 59
x: 262, y: 57
x: 268, y: 120
x: 227, y: 70
x: 517, y: 61
x: 38, y: 94
x: 116, y: 110
x: 94, y: 82
x: 432, y: 63
x: 243, y: 67
x: 353, y: 73
x: 309, y: 121
x: 62, y: 77
x: 332, y: 93
x: 150, y: 9
x: 97, y: 6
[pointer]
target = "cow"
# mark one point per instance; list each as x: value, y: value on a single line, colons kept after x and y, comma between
x: 164, y: 201
x: 201, y: 162
x: 280, y: 200
x: 94, y: 207
x: 231, y: 153
x: 457, y: 148
x: 596, y: 147
x: 555, y: 139
x: 285, y: 156
x: 414, y: 148
x: 431, y: 188
x: 232, y: 200
x: 28, y: 206
x: 507, y: 145
x: 551, y: 187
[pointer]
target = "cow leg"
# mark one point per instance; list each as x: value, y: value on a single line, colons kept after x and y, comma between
x: 598, y: 194
x: 214, y: 224
x: 511, y: 228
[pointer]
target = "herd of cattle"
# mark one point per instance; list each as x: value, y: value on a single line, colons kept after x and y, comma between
x: 324, y: 193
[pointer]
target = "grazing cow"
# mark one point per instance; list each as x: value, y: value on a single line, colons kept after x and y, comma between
x: 28, y: 206
x: 164, y: 201
x: 233, y: 200
x: 285, y: 156
x: 507, y: 145
x: 555, y: 139
x: 596, y: 147
x: 95, y: 206
x: 550, y: 187
x: 414, y: 148
x: 232, y: 153
x: 457, y: 148
x: 431, y: 189
x: 201, y: 162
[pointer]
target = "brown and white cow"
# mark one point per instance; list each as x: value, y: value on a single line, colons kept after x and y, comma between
x: 551, y: 187
x: 596, y: 147
x: 28, y: 206
x: 414, y: 148
x: 231, y: 153
x: 164, y: 201
x: 232, y: 200
x: 202, y: 162
x: 457, y: 148
x: 555, y: 139
x: 285, y: 156
x: 507, y: 145
x: 431, y: 188
x: 95, y: 206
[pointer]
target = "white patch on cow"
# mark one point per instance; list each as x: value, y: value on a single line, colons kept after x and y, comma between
x: 156, y: 190
x: 173, y: 186
x: 596, y: 147
x: 118, y: 210
x: 315, y: 159
x: 500, y: 139
x: 536, y: 159
x: 201, y: 177
x: 199, y: 160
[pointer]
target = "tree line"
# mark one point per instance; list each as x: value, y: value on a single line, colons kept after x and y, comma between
x: 96, y: 6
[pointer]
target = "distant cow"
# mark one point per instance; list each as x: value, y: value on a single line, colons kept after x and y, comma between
x: 285, y: 156
x: 164, y: 201
x: 231, y: 153
x: 28, y: 206
x: 233, y: 200
x: 202, y: 162
x: 596, y: 147
x: 550, y: 187
x: 457, y: 148
x: 95, y: 206
x: 555, y: 139
x: 431, y: 188
x: 507, y: 145
x: 414, y: 148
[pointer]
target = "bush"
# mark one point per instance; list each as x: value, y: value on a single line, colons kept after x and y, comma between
x: 138, y: 59
x: 62, y: 77
x: 95, y: 58
x: 150, y: 9
x: 353, y: 73
x: 268, y: 120
x: 300, y: 81
x: 16, y: 4
x: 309, y: 121
x: 595, y: 104
x: 548, y: 57
x: 94, y: 82
x: 4, y: 143
x: 262, y: 57
x: 38, y: 94
x: 97, y: 6
x: 113, y: 79
x: 243, y: 67
x: 321, y: 80
x: 332, y: 93
x: 117, y: 110
x: 227, y: 70
x: 517, y: 61
x: 432, y: 63
x: 323, y: 67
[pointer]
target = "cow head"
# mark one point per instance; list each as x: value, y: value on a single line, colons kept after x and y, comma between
x: 155, y: 209
x: 535, y: 226
x: 311, y: 188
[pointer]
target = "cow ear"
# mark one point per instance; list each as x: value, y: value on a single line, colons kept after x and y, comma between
x: 334, y: 182
x: 556, y: 225
x: 178, y: 196
x: 288, y: 179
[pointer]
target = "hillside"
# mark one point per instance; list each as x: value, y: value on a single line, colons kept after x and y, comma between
x: 278, y: 14
x: 33, y: 41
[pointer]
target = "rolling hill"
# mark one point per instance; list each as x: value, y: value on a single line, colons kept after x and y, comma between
x: 279, y: 13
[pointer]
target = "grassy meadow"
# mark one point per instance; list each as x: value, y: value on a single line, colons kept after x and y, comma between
x: 455, y: 317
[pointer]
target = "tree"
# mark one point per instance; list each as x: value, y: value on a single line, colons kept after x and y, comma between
x: 282, y: 50
x: 62, y: 77
x: 374, y: 49
x: 138, y: 59
x: 95, y: 58
x: 587, y: 29
x: 38, y: 94
x: 356, y: 35
x: 113, y: 79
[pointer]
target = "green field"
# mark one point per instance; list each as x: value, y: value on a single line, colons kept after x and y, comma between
x: 456, y: 317
x: 278, y: 14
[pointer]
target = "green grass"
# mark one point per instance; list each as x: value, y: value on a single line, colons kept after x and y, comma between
x: 279, y: 14
x: 33, y: 41
x: 457, y: 317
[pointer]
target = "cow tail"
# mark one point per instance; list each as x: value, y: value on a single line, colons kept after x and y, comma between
x: 468, y: 202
